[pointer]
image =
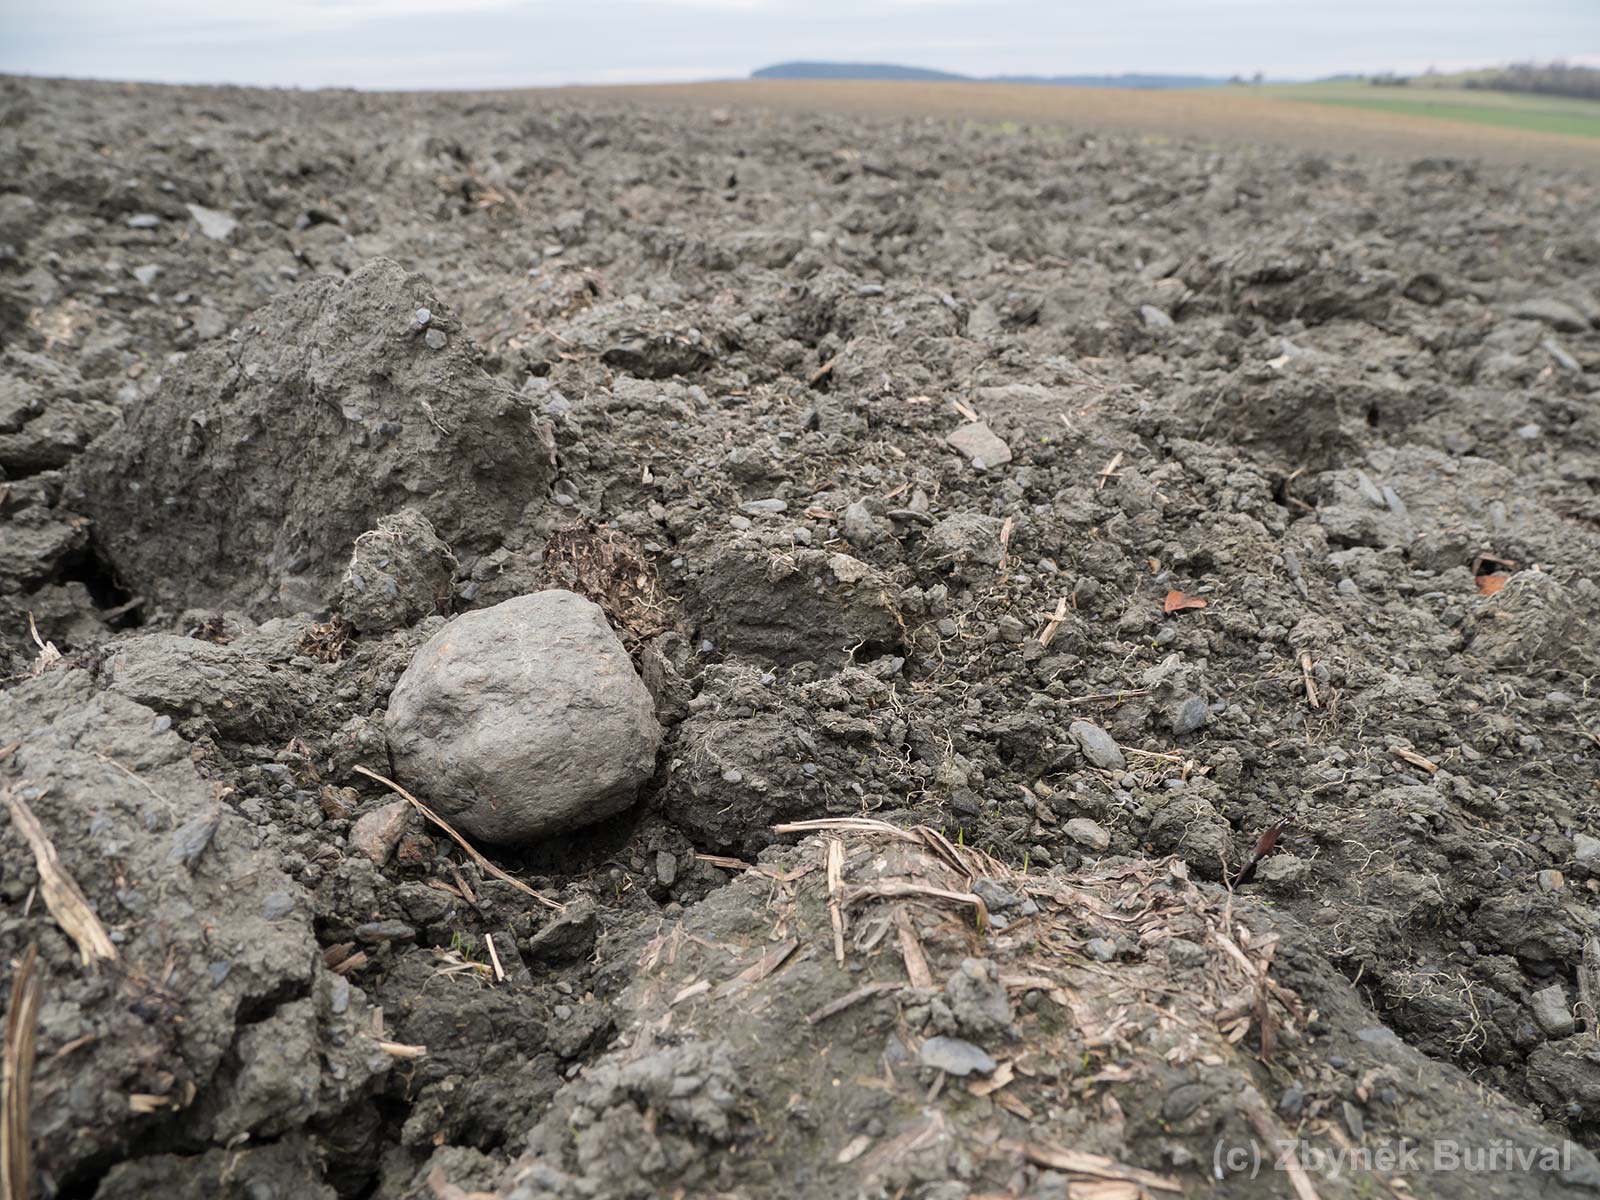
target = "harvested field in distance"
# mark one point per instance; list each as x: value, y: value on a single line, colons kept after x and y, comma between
x: 1565, y: 115
x: 1222, y: 115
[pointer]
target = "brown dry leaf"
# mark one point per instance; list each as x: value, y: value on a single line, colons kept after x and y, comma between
x: 1013, y: 1106
x: 1488, y: 585
x: 1003, y: 1075
x: 443, y: 1189
x: 613, y: 570
x: 1178, y: 601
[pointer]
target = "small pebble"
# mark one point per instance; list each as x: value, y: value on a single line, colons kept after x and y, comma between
x: 954, y: 1056
x: 666, y: 868
x: 1098, y: 746
x: 1087, y: 833
x: 758, y: 508
x: 374, y: 932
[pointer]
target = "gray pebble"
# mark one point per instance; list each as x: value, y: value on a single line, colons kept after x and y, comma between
x: 1087, y: 833
x: 666, y: 868
x: 1586, y: 851
x: 1182, y: 952
x: 1550, y: 1010
x: 1098, y: 746
x: 995, y: 897
x: 374, y: 932
x: 760, y: 508
x: 954, y: 1056
x: 1189, y: 714
x: 1292, y: 1102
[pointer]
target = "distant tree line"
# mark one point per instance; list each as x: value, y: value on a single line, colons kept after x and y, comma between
x: 1546, y: 79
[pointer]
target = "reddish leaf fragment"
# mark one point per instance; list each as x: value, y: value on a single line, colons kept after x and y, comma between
x: 1488, y: 585
x: 1177, y: 602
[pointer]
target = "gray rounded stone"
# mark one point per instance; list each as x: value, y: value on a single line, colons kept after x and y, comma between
x: 523, y: 720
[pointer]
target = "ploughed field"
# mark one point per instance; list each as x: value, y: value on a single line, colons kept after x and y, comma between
x: 962, y: 658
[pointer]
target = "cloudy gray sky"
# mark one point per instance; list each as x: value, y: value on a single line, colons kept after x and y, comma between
x: 505, y: 43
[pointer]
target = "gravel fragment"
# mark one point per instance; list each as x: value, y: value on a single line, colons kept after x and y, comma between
x: 218, y: 226
x: 980, y: 445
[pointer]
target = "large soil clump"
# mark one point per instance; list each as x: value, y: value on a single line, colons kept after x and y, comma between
x: 247, y: 475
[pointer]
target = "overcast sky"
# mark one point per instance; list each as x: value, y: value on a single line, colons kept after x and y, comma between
x: 507, y: 43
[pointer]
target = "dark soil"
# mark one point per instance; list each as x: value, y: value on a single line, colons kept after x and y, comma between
x: 700, y: 365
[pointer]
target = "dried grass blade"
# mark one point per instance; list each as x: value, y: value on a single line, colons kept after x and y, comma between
x: 1306, y: 664
x: 1267, y: 1130
x: 865, y: 992
x: 761, y: 968
x: 911, y: 951
x: 63, y: 897
x: 472, y: 853
x: 897, y: 890
x: 16, y: 1085
x: 1098, y: 1166
x: 835, y: 862
x: 847, y: 825
x: 400, y: 1049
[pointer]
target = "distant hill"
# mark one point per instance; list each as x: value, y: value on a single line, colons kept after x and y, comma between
x: 893, y: 71
x: 832, y: 70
